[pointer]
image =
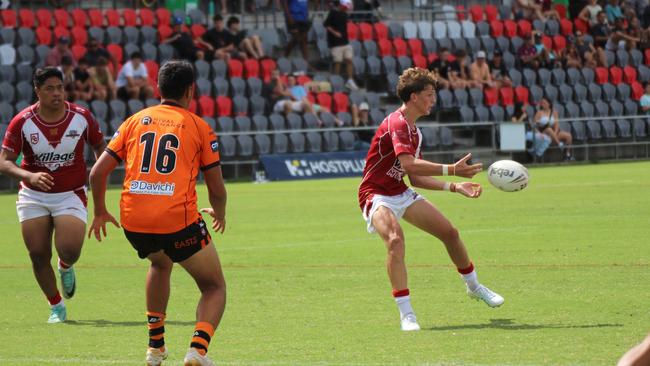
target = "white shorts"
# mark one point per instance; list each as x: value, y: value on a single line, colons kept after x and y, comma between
x: 32, y: 204
x: 340, y: 53
x: 296, y: 105
x: 398, y: 204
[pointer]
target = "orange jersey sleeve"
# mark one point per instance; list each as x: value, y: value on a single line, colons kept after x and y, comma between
x: 163, y: 148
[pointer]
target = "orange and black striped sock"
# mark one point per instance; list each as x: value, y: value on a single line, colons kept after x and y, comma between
x: 202, y: 335
x: 156, y: 324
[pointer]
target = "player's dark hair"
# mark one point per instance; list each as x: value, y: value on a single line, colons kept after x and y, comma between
x: 414, y: 80
x: 44, y: 73
x: 136, y: 54
x: 232, y: 20
x: 217, y: 18
x: 174, y: 78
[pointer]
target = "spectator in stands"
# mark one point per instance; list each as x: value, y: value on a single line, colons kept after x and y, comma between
x: 336, y: 25
x: 67, y: 68
x: 538, y: 140
x: 183, y: 42
x: 622, y: 37
x: 546, y: 121
x: 572, y: 56
x: 499, y: 70
x: 368, y: 6
x: 645, y: 100
x: 590, y: 12
x: 480, y: 72
x: 94, y: 52
x: 601, y: 31
x: 296, y: 14
x: 528, y: 9
x: 442, y: 68
x: 613, y: 11
x: 289, y: 98
x: 250, y: 46
x: 547, y: 57
x: 460, y: 75
x: 590, y: 55
x: 59, y: 51
x: 528, y: 55
x: 102, y: 79
x: 133, y: 80
x: 84, y: 86
x: 218, y: 41
x: 363, y: 137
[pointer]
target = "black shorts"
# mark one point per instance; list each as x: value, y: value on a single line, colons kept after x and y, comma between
x: 301, y: 27
x: 178, y: 246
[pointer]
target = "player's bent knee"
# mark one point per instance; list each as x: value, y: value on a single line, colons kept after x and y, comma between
x: 450, y: 235
x: 40, y: 258
x: 395, y: 245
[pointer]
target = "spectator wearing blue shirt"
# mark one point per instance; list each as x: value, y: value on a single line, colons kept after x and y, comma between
x: 613, y: 11
x: 645, y: 100
x: 296, y: 14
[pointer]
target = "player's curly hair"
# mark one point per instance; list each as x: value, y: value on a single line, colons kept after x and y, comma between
x: 174, y: 78
x: 414, y: 80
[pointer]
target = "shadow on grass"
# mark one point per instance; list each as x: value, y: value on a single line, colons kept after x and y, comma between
x: 510, y: 324
x: 100, y: 323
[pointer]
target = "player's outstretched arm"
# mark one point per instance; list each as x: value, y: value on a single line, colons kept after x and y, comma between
x: 217, y: 196
x: 467, y: 189
x: 40, y: 180
x: 98, y: 176
x: 420, y: 167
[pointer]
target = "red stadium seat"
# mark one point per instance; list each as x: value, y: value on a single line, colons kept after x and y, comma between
x: 561, y: 10
x: 206, y: 106
x: 252, y: 67
x: 510, y: 28
x: 117, y: 51
x: 460, y: 12
x: 647, y: 56
x: 164, y: 32
x: 112, y: 17
x: 507, y: 96
x: 44, y: 36
x: 420, y: 61
x: 341, y: 102
x: 637, y: 90
x: 602, y: 75
x: 147, y: 17
x: 615, y: 75
x: 324, y: 100
x: 522, y: 94
x: 78, y: 51
x: 400, y: 47
x: 154, y: 86
x: 524, y: 28
x: 44, y: 18
x: 10, y: 18
x: 559, y: 43
x: 267, y: 65
x: 548, y: 42
x: 629, y: 74
x: 197, y: 30
x: 496, y: 28
x: 581, y: 25
x: 193, y: 106
x: 385, y: 47
x: 61, y: 32
x: 491, y: 96
x: 224, y: 106
x: 476, y: 12
x: 26, y: 16
x: 235, y: 69
x: 62, y: 18
x: 566, y: 27
x: 311, y: 98
x: 96, y: 18
x: 164, y: 16
x: 130, y: 18
x: 415, y: 45
x: 491, y: 12
x: 353, y: 31
x: 303, y: 79
x: 381, y: 31
x: 79, y: 18
x: 366, y: 31
x: 79, y: 36
x: 432, y: 57
x: 152, y: 69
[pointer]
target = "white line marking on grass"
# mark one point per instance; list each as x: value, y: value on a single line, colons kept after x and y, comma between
x: 590, y: 184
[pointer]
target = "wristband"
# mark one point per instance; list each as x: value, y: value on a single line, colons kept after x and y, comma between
x: 446, y: 187
x: 445, y: 169
x: 452, y: 187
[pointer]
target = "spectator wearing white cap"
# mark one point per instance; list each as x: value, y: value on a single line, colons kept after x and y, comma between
x: 336, y: 24
x: 480, y: 71
x: 362, y: 119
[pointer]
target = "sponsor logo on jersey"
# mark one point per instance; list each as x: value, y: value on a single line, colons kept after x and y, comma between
x: 158, y: 188
x: 396, y: 171
x: 52, y: 157
x: 146, y: 120
x: 214, y: 145
x: 117, y: 133
x: 33, y: 138
x: 73, y: 134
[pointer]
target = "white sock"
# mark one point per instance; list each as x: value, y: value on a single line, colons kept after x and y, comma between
x: 404, y: 305
x: 61, y: 303
x: 471, y: 280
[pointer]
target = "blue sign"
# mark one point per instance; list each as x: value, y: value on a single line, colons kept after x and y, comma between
x: 313, y: 165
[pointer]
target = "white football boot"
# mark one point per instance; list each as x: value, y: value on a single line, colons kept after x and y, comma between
x: 155, y: 357
x: 194, y: 358
x: 409, y: 323
x: 488, y: 296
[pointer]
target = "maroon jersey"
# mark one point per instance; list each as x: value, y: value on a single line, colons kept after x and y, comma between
x: 56, y: 148
x: 383, y: 173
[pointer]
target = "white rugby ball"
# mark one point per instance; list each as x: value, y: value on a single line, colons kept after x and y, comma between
x: 508, y: 175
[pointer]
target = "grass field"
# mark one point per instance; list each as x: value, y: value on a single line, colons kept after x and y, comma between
x: 307, y: 284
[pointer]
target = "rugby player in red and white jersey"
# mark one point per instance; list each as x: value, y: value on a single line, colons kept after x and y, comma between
x: 385, y: 198
x: 51, y: 135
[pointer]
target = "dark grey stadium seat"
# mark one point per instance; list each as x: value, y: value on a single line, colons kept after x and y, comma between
x: 114, y: 34
x: 26, y: 37
x: 221, y: 86
x: 228, y: 146
x: 515, y: 77
x: 466, y: 114
x: 99, y: 34
x: 202, y: 69
x: 135, y: 106
x: 226, y: 124
x: 211, y: 122
x: 294, y: 121
x: 530, y: 77
x: 345, y: 117
x: 240, y: 105
x: 118, y: 109
x: 601, y: 109
x: 623, y: 129
x: 446, y: 137
x: 330, y: 141
x: 566, y: 93
x: 573, y: 76
x: 8, y: 35
x: 310, y: 120
x: 636, y: 57
x: 299, y: 65
x: 165, y: 52
x: 277, y: 122
x: 370, y: 48
x: 374, y: 65
x: 578, y: 130
x: 580, y: 93
x: 328, y: 119
x: 615, y: 108
x: 536, y: 94
x: 543, y: 77
x: 243, y: 123
x: 6, y: 112
x: 238, y: 86
x: 314, y: 142
x: 262, y: 144
x: 219, y: 69
x: 359, y: 65
x: 481, y: 114
x: 475, y: 97
x: 284, y: 65
x: 25, y: 55
x: 297, y: 142
x: 588, y: 75
x: 346, y: 140
x: 640, y: 129
x: 594, y: 92
x: 132, y: 35
x: 608, y: 129
x: 149, y: 52
x: 7, y: 73
x: 337, y: 83
x: 280, y: 143
x: 7, y: 92
x: 461, y: 97
x: 245, y: 146
x: 586, y: 109
x: 260, y: 122
x: 257, y: 105
x: 550, y: 92
x: 429, y: 138
x: 100, y: 111
x: 149, y: 34
x: 609, y: 92
x: 623, y: 91
x: 445, y: 99
x: 377, y: 116
x: 392, y: 80
x: 622, y: 58
x: 497, y: 113
x: 390, y: 64
x: 204, y: 87
x: 594, y: 130
x: 254, y: 86
x: 631, y: 107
